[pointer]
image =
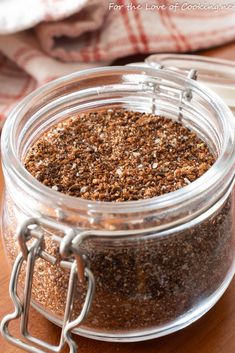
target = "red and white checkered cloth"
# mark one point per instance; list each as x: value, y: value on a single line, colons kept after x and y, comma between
x: 43, y: 39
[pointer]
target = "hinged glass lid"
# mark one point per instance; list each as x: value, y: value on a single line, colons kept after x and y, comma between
x: 216, y: 74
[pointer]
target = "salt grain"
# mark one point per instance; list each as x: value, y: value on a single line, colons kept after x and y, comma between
x: 83, y: 189
x: 154, y: 165
x: 55, y: 187
x: 119, y: 172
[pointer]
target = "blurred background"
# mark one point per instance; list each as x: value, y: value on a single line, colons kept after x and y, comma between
x: 41, y: 40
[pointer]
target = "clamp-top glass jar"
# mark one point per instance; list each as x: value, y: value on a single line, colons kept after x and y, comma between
x: 145, y: 268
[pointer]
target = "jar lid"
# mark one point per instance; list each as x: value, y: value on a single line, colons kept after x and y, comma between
x: 217, y: 74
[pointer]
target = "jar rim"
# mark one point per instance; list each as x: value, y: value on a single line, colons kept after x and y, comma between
x: 222, y: 168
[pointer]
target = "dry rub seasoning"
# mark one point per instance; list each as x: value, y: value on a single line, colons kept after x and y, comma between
x: 120, y: 156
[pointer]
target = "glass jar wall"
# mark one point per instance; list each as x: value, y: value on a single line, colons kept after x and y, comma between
x: 158, y: 264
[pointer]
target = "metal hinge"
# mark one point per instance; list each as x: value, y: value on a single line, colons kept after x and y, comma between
x: 153, y: 87
x: 79, y: 270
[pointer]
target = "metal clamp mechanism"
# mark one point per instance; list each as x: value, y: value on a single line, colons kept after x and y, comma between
x: 30, y: 231
x: 185, y: 94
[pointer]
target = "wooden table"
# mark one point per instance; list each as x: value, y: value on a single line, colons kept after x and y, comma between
x: 214, y: 333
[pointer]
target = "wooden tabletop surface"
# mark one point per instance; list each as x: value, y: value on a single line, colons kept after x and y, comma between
x: 214, y: 333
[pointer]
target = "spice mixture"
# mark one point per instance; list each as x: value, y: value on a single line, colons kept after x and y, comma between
x: 118, y: 155
x: 143, y: 284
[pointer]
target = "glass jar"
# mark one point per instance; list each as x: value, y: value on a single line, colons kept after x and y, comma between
x: 124, y: 271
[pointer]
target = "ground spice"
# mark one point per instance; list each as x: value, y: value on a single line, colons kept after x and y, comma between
x: 120, y: 156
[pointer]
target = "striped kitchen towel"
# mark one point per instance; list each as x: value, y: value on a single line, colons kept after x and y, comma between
x: 44, y: 39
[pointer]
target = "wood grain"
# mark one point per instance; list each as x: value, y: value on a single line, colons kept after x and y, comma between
x: 214, y: 333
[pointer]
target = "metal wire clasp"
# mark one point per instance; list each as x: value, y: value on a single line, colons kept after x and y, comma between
x: 31, y: 241
x: 160, y: 87
x: 187, y: 93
